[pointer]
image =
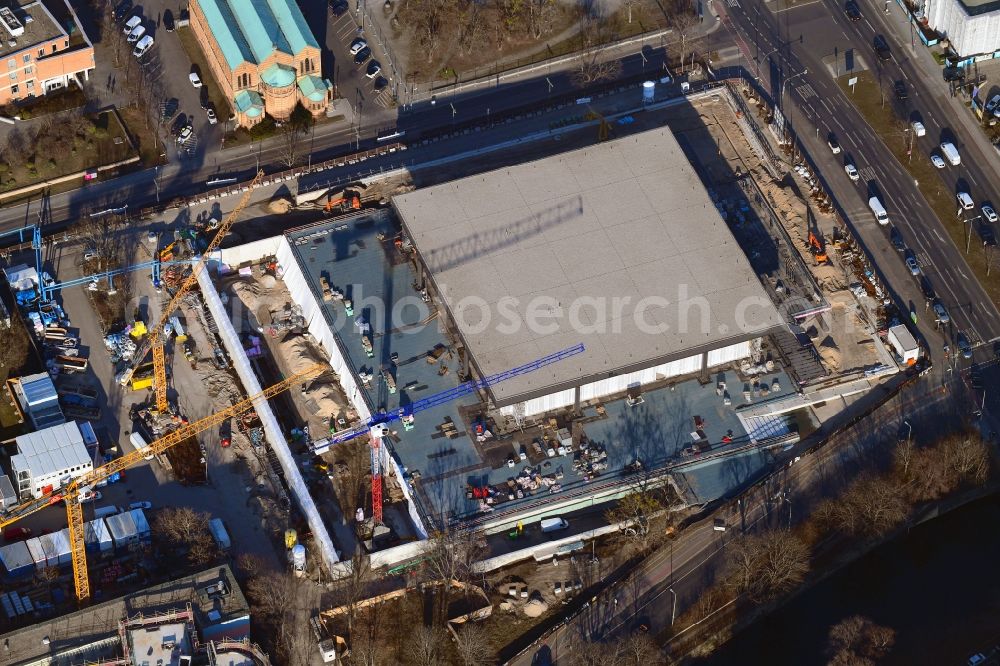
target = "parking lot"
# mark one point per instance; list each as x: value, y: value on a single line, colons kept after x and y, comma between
x: 168, y: 65
x: 352, y: 80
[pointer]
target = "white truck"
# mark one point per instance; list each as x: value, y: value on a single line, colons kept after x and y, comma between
x: 904, y: 344
x: 950, y: 153
x: 219, y: 533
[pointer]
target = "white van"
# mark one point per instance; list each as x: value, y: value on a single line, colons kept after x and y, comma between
x: 880, y: 215
x: 553, y: 524
x: 951, y: 153
x: 105, y: 511
x: 139, y: 444
x: 965, y: 201
x: 144, y: 45
x: 918, y: 128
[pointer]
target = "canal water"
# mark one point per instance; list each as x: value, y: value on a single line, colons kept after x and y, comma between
x: 938, y: 586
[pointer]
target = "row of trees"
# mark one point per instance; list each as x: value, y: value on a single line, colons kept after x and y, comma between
x: 877, y: 502
x: 765, y: 566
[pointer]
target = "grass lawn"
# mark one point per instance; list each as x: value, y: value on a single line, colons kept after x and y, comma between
x: 889, y: 125
x: 190, y: 43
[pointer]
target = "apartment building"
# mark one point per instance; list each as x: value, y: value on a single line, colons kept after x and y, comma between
x: 42, y: 48
x: 263, y: 55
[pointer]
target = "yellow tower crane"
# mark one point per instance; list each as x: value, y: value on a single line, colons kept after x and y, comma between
x: 154, y: 339
x: 70, y: 493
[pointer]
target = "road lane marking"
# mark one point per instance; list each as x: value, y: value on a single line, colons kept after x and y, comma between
x: 941, y: 240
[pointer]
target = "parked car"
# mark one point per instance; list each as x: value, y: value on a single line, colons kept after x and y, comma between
x: 941, y: 313
x: 194, y: 79
x: 362, y: 56
x: 963, y: 345
x: 852, y: 10
x: 896, y: 239
x: 136, y: 34
x: 168, y: 21
x: 145, y: 506
x: 381, y: 83
x: 918, y: 128
x: 185, y: 134
x: 989, y: 213
x: 212, y: 118
x: 937, y: 161
x: 358, y: 45
x: 900, y: 89
x: 122, y: 10
x: 374, y: 68
x: 953, y: 73
x: 911, y: 263
x: 965, y: 201
x: 16, y: 534
x: 143, y: 46
x: 339, y: 7
x: 926, y: 288
x: 131, y: 24
x: 852, y: 172
x: 91, y: 497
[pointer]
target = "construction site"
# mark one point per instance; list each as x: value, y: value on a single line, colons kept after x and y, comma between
x: 376, y: 371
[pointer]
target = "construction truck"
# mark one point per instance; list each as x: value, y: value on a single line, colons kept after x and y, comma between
x: 347, y: 201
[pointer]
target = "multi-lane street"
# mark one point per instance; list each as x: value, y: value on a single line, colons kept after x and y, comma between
x: 801, y: 49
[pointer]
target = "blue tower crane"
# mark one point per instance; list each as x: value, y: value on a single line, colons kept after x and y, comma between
x: 377, y: 425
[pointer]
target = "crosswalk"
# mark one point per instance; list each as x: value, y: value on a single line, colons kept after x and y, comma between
x: 806, y: 91
x: 924, y: 260
x: 733, y: 3
x: 867, y: 174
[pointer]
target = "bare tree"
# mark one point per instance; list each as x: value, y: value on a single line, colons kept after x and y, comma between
x: 639, y: 649
x: 472, y: 645
x: 105, y: 235
x: 369, y: 648
x: 185, y: 527
x: 968, y: 458
x: 593, y: 64
x: 290, y: 143
x: 857, y: 640
x: 250, y: 565
x: 683, y: 20
x: 767, y: 565
x: 353, y: 587
x: 427, y: 644
x: 871, y: 505
x: 285, y: 603
x: 452, y: 554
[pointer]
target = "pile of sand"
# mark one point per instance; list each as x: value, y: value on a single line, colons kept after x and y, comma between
x: 534, y: 608
x: 279, y: 206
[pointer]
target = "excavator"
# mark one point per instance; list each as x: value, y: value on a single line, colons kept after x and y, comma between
x: 817, y: 244
x: 347, y: 201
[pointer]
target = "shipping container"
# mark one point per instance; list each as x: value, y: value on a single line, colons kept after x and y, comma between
x: 97, y: 537
x: 122, y: 528
x: 141, y: 524
x: 17, y: 559
x: 219, y: 533
x: 37, y: 553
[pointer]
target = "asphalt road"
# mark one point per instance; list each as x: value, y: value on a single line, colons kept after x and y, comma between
x: 803, y: 46
x: 671, y: 580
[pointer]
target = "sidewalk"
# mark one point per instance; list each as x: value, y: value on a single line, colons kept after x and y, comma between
x: 897, y: 22
x: 425, y: 91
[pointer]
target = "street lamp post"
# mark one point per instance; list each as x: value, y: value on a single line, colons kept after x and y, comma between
x: 156, y: 181
x: 781, y: 98
x: 673, y: 606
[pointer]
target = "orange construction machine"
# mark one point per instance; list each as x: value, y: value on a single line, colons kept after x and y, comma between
x: 347, y: 201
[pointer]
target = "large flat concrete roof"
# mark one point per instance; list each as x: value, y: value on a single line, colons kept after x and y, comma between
x: 600, y: 245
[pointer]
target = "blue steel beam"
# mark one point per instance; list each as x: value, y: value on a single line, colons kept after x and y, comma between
x: 454, y: 393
